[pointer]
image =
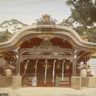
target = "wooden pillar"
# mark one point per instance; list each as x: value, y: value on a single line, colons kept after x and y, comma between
x: 53, y: 75
x: 74, y: 62
x: 36, y: 67
x: 63, y: 70
x: 74, y: 67
x: 45, y: 77
x: 17, y: 64
x: 17, y: 79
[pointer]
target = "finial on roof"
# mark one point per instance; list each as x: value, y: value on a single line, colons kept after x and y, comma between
x: 46, y: 19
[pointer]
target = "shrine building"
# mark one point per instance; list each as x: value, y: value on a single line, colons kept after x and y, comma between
x: 49, y: 51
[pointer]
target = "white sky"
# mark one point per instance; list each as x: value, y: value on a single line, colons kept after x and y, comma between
x: 28, y: 11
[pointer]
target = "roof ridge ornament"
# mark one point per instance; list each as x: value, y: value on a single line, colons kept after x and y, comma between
x: 46, y: 20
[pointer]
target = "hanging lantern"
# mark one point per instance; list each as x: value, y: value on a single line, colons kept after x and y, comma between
x: 8, y: 72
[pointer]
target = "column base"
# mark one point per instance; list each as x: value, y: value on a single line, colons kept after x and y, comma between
x: 76, y: 82
x: 92, y: 82
x: 16, y: 81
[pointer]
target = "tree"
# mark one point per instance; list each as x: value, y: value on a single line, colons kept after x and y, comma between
x: 84, y: 16
x: 5, y: 35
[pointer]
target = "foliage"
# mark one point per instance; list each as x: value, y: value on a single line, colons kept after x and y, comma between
x: 4, y: 36
x: 84, y: 17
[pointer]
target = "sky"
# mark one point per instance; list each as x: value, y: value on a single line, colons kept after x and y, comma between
x: 28, y: 11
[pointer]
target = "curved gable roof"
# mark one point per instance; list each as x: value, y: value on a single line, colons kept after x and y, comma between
x: 68, y: 31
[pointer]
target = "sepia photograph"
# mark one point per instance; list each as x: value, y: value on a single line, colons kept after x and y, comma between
x: 47, y: 47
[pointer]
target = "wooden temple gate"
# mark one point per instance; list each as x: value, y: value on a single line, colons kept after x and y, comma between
x: 51, y: 52
x: 50, y: 66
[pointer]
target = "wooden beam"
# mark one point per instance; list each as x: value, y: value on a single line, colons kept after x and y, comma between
x: 50, y: 49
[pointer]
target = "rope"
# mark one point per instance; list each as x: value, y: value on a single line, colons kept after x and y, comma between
x: 36, y: 67
x: 25, y: 67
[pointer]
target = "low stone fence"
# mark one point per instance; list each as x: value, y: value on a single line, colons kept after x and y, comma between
x: 5, y: 81
x: 16, y: 81
x: 91, y: 82
x: 78, y: 82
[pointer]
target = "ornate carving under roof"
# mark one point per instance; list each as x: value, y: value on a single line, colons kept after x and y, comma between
x: 54, y: 30
x: 46, y: 19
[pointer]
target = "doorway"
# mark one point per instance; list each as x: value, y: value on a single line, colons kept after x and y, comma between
x: 48, y: 72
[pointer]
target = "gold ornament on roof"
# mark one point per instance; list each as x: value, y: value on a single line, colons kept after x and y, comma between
x: 46, y: 20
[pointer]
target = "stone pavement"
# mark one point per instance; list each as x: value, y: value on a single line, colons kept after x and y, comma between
x: 48, y: 91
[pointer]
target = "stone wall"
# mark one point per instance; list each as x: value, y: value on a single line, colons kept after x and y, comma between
x: 76, y: 82
x: 5, y: 81
x: 16, y: 81
x: 92, y: 82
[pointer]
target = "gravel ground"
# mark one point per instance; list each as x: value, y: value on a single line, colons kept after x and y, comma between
x: 47, y: 91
